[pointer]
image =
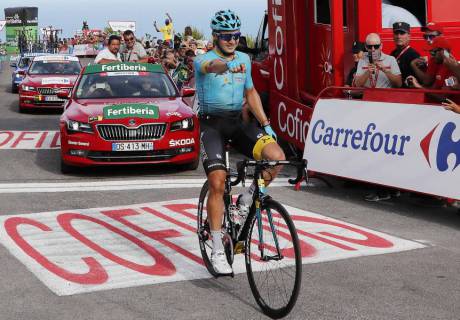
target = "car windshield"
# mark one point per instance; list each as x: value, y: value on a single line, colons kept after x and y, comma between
x: 125, y: 85
x: 55, y: 67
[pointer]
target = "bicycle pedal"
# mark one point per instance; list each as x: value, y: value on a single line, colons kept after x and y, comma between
x: 239, y: 248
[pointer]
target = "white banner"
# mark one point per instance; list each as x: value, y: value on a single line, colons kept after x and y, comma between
x: 407, y: 146
x: 123, y: 25
x: 2, y: 24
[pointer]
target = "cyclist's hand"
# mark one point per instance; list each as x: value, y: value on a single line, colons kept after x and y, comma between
x: 236, y: 67
x: 268, y: 129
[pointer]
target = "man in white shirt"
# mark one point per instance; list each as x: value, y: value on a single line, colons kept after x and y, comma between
x: 376, y: 69
x: 132, y: 50
x: 392, y: 14
x: 111, y: 53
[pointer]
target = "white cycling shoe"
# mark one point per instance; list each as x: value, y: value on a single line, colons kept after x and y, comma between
x: 219, y: 263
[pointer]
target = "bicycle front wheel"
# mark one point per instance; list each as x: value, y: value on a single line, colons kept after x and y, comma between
x: 273, y: 260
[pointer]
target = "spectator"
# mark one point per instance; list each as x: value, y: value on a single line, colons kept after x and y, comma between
x: 425, y: 69
x: 404, y: 53
x: 167, y: 30
x: 431, y: 31
x: 376, y: 69
x: 169, y: 61
x: 132, y: 51
x: 111, y: 53
x: 452, y: 106
x: 440, y: 51
x: 392, y: 14
x: 358, y: 50
x: 209, y: 46
x: 188, y: 31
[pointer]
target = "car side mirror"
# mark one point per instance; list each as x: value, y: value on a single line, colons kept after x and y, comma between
x: 63, y: 94
x: 22, y: 72
x: 188, y: 92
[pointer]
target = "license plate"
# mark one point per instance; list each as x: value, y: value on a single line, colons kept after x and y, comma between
x: 132, y: 146
x: 52, y: 98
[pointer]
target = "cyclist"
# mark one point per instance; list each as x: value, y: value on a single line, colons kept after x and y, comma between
x: 223, y: 81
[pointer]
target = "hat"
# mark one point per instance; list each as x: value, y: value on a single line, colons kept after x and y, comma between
x: 439, y: 43
x: 357, y: 47
x: 433, y: 26
x: 401, y: 26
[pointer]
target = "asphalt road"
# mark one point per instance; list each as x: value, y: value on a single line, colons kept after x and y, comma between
x: 415, y: 284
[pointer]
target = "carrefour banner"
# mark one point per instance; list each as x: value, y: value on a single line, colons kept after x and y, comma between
x: 413, y: 147
x: 21, y: 25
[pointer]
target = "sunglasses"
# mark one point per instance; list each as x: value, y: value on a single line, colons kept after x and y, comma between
x: 429, y: 37
x: 229, y: 36
x: 399, y: 32
x: 129, y: 39
x: 375, y: 46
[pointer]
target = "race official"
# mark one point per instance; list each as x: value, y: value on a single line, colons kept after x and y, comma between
x: 377, y: 69
x: 132, y: 50
x: 110, y: 54
x: 404, y: 53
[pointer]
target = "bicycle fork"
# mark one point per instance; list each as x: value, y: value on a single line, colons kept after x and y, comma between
x: 263, y: 256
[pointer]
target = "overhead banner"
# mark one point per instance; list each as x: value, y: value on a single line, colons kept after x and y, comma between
x: 407, y: 146
x: 121, y: 26
x: 2, y: 24
x: 21, y: 27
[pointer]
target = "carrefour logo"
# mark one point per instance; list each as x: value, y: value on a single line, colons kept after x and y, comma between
x: 445, y: 149
x: 368, y: 139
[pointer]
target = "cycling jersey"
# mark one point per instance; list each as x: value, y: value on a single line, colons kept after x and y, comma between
x: 220, y: 93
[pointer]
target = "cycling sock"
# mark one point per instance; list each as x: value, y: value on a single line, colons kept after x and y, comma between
x: 246, y: 196
x: 217, y: 244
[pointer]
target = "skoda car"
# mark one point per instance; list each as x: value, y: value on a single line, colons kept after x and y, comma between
x: 21, y: 65
x: 47, y: 75
x: 127, y: 113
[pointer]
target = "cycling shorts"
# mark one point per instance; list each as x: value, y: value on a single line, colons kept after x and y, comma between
x: 246, y: 138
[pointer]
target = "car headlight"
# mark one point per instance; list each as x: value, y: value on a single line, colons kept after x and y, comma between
x: 76, y: 126
x: 28, y: 88
x: 185, y: 124
x: 19, y: 76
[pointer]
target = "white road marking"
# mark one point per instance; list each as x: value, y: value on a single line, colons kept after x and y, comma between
x: 78, y: 251
x: 111, y: 185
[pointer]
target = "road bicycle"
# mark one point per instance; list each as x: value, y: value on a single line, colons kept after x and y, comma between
x: 267, y: 238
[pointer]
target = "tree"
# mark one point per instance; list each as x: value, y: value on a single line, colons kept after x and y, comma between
x: 250, y: 41
x: 197, y: 34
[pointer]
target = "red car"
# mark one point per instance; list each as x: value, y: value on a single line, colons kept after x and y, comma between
x: 46, y: 75
x: 127, y: 113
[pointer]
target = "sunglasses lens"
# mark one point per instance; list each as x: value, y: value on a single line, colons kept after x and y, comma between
x: 230, y: 36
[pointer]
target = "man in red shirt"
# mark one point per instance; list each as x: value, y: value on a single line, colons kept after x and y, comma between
x: 442, y: 65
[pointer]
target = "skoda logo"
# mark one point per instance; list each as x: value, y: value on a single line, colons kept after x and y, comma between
x: 132, y: 122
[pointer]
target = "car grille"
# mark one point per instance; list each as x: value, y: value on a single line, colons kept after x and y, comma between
x: 143, y: 132
x: 133, y: 156
x: 50, y: 91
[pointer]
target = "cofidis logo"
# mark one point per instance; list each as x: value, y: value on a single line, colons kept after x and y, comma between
x: 444, y: 149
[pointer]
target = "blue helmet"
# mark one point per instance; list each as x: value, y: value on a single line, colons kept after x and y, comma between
x: 225, y: 20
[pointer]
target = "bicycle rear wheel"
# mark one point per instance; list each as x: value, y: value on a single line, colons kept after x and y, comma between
x: 274, y: 275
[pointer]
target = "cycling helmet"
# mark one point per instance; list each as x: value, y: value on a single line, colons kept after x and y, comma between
x: 225, y: 20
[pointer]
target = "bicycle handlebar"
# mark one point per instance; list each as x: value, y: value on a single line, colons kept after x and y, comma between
x: 264, y: 164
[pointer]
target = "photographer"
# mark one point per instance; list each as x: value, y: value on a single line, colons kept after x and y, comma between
x: 376, y: 69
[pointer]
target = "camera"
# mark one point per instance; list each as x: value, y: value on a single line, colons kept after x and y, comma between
x: 450, y: 82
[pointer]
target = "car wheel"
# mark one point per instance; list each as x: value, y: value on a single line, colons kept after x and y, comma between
x: 14, y: 89
x: 66, y: 168
x: 191, y: 165
x: 21, y: 109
